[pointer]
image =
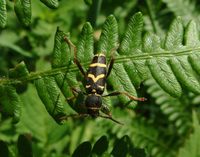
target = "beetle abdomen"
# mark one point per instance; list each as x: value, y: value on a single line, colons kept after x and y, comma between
x: 96, y: 75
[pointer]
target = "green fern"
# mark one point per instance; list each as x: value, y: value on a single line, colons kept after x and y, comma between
x: 3, y: 14
x: 175, y: 71
x: 185, y: 8
x: 165, y: 65
x: 122, y: 148
x: 173, y: 65
x: 147, y: 137
x: 53, y: 4
x: 23, y: 10
x: 156, y: 20
x: 178, y: 111
x: 191, y: 147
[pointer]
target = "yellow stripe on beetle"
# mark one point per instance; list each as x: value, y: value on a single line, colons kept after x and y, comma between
x: 98, y: 65
x: 87, y: 86
x: 102, y: 87
x: 95, y: 79
x: 101, y: 54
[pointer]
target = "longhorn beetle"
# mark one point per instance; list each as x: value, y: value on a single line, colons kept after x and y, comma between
x: 95, y: 77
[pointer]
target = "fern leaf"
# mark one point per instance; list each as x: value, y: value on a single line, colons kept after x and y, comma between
x: 47, y: 88
x: 119, y: 78
x: 49, y: 93
x: 100, y: 146
x: 34, y: 115
x: 24, y: 146
x: 174, y: 36
x: 185, y: 8
x: 177, y: 72
x: 133, y: 35
x: 53, y: 4
x: 59, y: 55
x: 20, y: 70
x: 147, y: 137
x: 191, y: 35
x: 194, y: 61
x: 23, y: 11
x: 109, y: 36
x: 3, y: 14
x: 83, y: 149
x: 10, y: 100
x: 131, y: 44
x: 159, y: 67
x: 62, y: 57
x: 177, y: 110
x: 10, y: 103
x: 150, y: 140
x: 85, y: 45
x: 184, y: 72
x: 156, y: 18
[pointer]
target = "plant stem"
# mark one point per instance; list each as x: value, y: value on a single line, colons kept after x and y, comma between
x: 119, y: 59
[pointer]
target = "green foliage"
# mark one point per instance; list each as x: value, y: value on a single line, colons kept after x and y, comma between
x: 153, y: 58
x: 185, y: 8
x: 3, y: 14
x: 10, y: 103
x: 191, y: 146
x: 51, y: 3
x: 24, y: 146
x: 179, y: 113
x: 4, y: 149
x: 23, y: 10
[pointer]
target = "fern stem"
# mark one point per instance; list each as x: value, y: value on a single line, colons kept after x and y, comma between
x: 119, y: 59
x: 168, y: 54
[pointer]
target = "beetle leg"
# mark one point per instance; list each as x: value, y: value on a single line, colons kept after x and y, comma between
x: 75, y: 55
x: 111, y: 118
x: 75, y: 91
x: 110, y: 66
x: 105, y: 110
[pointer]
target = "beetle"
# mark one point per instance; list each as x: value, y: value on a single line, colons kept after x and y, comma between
x: 96, y: 77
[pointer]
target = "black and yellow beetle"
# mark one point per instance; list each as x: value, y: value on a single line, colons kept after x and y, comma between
x: 95, y: 77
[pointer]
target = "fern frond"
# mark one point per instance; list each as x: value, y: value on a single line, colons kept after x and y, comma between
x: 174, y: 64
x: 3, y: 14
x: 23, y: 11
x: 156, y: 20
x: 178, y: 111
x: 148, y: 137
x: 53, y: 4
x: 10, y: 103
x: 185, y: 8
x: 176, y: 72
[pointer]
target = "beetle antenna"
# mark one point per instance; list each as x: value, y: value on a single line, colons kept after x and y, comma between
x: 86, y: 115
x: 111, y: 118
